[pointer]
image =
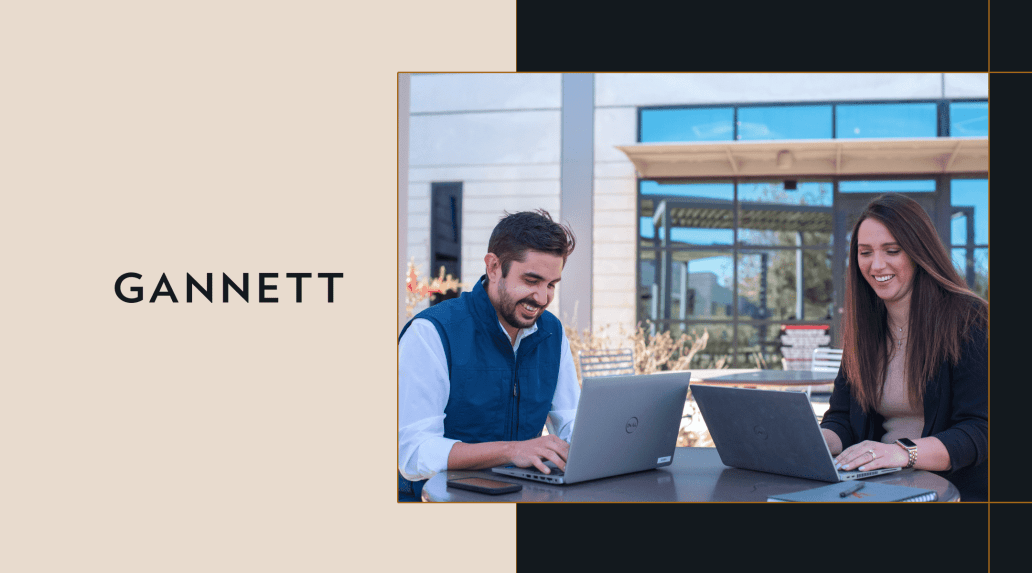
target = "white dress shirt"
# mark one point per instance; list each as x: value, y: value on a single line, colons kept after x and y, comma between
x: 424, y: 387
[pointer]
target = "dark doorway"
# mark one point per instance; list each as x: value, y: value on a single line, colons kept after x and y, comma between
x: 445, y: 234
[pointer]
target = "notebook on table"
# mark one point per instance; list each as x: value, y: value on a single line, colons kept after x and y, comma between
x: 624, y: 424
x: 770, y: 431
x: 848, y: 492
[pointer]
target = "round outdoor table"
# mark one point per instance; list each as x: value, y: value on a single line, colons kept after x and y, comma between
x: 770, y: 378
x: 696, y: 474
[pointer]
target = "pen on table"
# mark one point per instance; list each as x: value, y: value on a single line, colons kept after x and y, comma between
x: 859, y: 486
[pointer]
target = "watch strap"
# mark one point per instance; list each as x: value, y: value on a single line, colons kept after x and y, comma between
x: 911, y: 452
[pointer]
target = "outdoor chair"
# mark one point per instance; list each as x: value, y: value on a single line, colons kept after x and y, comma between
x: 606, y: 362
x: 825, y: 360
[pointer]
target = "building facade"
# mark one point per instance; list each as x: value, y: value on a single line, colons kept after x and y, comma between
x: 716, y: 201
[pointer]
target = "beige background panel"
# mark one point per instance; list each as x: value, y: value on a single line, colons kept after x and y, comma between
x: 222, y: 137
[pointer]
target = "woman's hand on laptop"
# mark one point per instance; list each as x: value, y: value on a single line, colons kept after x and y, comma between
x: 535, y: 452
x: 869, y: 455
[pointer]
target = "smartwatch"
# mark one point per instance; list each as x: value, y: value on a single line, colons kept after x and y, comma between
x: 911, y: 448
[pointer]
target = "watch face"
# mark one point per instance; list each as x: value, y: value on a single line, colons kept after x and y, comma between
x: 907, y: 443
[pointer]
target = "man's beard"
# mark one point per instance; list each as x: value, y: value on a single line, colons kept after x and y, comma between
x: 508, y: 308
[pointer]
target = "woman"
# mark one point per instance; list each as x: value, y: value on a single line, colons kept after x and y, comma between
x: 913, y: 387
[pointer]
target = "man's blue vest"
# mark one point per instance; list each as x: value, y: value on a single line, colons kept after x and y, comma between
x: 495, y: 395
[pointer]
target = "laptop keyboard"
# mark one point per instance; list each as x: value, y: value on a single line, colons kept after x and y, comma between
x: 859, y: 474
x: 555, y: 471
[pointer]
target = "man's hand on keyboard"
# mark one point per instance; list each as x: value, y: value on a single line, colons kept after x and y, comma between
x: 535, y: 452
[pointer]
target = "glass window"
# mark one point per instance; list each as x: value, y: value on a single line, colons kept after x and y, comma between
x: 969, y: 232
x: 764, y: 340
x: 899, y: 186
x: 969, y: 119
x: 708, y: 292
x: 647, y: 287
x: 974, y: 269
x: 771, y: 215
x: 886, y: 120
x: 805, y: 193
x: 960, y: 222
x: 689, y: 236
x: 764, y: 253
x: 700, y: 213
x: 767, y: 284
x: 700, y: 285
x: 784, y: 122
x: 970, y: 201
x: 695, y: 124
x: 725, y: 191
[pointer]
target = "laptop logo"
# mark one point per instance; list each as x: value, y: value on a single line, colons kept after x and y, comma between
x: 632, y: 425
x: 761, y: 432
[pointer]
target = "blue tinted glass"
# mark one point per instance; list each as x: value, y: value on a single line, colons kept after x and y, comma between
x: 977, y: 275
x: 959, y: 260
x: 718, y: 266
x: 724, y: 191
x: 784, y: 122
x: 689, y: 235
x: 714, y: 200
x: 886, y: 120
x: 705, y: 294
x: 902, y: 186
x: 770, y: 215
x: 696, y: 124
x: 969, y: 119
x: 767, y: 284
x: 973, y: 193
x: 805, y: 193
x: 958, y: 227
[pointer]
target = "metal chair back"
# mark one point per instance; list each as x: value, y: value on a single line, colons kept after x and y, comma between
x: 606, y: 362
x: 826, y: 360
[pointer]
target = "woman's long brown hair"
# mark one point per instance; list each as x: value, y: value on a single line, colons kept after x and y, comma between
x: 942, y: 308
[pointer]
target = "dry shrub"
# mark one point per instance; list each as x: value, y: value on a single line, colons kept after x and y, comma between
x: 652, y: 353
x: 659, y: 352
x: 691, y: 439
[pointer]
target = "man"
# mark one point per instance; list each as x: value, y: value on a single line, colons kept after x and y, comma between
x: 479, y: 376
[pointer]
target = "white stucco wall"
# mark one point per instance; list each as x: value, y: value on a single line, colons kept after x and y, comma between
x: 615, y: 224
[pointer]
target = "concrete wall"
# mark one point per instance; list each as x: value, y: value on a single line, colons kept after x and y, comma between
x: 615, y: 217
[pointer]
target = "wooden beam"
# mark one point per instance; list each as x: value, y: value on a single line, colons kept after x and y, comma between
x: 953, y: 156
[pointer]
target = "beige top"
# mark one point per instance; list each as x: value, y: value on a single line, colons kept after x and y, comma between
x: 901, y: 420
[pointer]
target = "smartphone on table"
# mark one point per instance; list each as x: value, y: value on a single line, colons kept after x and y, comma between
x: 484, y: 485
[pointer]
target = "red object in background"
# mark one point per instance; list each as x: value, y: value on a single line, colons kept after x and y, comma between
x: 804, y: 326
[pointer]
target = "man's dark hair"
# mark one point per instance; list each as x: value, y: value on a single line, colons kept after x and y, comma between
x: 517, y: 233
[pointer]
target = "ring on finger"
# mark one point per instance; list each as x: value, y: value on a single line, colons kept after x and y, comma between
x: 874, y: 456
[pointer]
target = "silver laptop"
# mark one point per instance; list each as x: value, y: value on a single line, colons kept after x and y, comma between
x: 624, y: 424
x: 770, y: 431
